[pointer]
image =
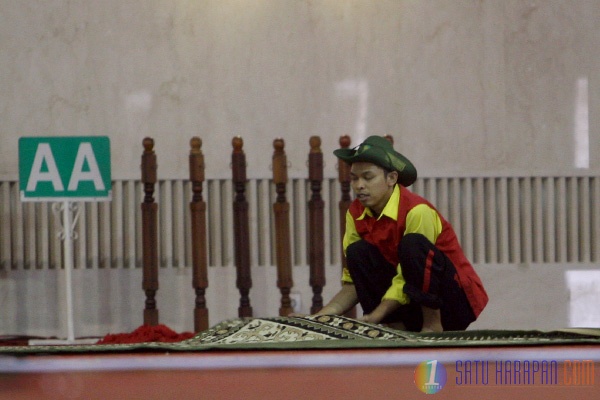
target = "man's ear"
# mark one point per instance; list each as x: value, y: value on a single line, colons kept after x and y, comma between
x: 392, y: 178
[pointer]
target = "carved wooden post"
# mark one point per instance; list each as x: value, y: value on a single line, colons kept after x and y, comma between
x: 198, y: 222
x: 149, y: 233
x: 281, y: 209
x: 316, y: 227
x: 241, y: 227
x: 344, y: 179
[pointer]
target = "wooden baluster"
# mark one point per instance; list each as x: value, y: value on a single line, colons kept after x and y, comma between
x: 344, y: 179
x: 149, y: 233
x: 199, y: 246
x: 241, y: 227
x: 281, y: 209
x: 316, y: 227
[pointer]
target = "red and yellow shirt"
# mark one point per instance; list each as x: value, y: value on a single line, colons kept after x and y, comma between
x: 406, y: 212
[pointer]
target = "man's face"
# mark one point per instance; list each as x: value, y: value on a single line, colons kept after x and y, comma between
x: 371, y: 185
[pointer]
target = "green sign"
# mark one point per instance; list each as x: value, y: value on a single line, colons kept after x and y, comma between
x: 66, y: 168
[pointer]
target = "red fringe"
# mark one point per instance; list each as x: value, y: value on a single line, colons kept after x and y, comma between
x: 145, y: 334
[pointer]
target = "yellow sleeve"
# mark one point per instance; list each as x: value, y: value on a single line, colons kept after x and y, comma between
x: 396, y: 289
x: 426, y: 221
x: 350, y: 236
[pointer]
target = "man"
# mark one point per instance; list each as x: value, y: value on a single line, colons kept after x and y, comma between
x: 404, y: 263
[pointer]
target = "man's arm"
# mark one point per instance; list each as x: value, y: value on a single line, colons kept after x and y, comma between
x: 343, y: 301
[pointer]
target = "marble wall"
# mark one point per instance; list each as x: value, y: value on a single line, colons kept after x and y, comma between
x: 466, y: 87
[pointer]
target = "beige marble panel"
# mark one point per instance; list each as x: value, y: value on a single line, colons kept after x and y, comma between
x: 466, y: 87
x: 549, y: 48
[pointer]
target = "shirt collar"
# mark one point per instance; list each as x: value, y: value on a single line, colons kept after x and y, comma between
x: 391, y: 208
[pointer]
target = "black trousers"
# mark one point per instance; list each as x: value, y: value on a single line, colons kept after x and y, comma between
x: 430, y: 276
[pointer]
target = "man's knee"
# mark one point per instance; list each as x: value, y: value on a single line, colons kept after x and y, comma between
x: 364, y: 257
x: 413, y: 245
x: 357, y: 249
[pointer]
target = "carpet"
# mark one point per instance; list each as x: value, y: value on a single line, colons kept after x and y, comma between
x: 324, y: 332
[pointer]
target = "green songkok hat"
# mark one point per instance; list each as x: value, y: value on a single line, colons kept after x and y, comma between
x: 380, y: 151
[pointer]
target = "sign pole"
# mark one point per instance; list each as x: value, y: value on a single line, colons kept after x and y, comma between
x: 68, y: 234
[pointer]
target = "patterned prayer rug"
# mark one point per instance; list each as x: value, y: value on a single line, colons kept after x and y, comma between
x: 324, y: 332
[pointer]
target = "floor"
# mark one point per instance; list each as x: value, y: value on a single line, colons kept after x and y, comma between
x: 571, y: 371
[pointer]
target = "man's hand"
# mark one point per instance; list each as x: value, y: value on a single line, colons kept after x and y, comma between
x: 367, y: 318
x: 384, y: 308
x: 344, y: 300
